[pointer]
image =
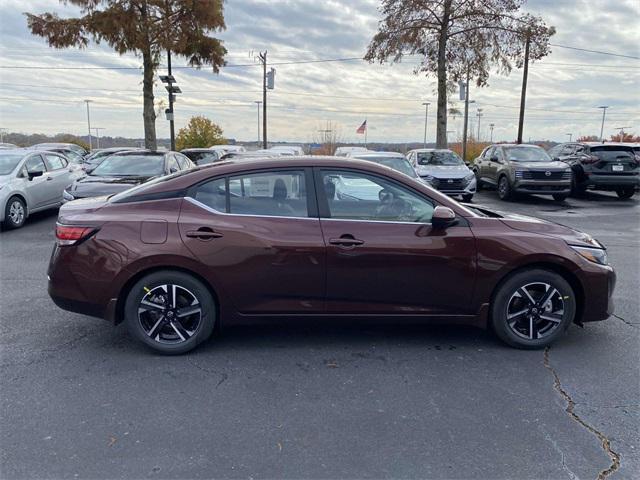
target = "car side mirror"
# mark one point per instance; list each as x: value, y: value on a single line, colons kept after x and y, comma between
x: 556, y: 159
x: 494, y: 159
x: 32, y: 175
x: 173, y: 170
x: 443, y: 217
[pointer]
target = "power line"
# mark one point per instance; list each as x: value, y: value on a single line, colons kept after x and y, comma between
x: 595, y: 51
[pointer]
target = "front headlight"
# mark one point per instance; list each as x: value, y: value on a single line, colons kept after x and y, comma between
x: 428, y: 178
x: 469, y: 177
x: 595, y: 255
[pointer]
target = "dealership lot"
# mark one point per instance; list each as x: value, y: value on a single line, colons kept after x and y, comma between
x: 81, y: 399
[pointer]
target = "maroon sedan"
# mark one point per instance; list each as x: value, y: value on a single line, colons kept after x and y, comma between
x: 307, y: 237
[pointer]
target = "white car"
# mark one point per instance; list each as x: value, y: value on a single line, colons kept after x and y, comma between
x: 344, y: 151
x: 288, y: 149
x: 222, y: 149
x: 31, y: 181
x: 444, y: 170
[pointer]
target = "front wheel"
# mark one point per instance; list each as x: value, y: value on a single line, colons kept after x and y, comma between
x: 626, y: 192
x: 15, y: 213
x: 560, y: 197
x: 171, y: 312
x: 504, y: 189
x: 533, y: 308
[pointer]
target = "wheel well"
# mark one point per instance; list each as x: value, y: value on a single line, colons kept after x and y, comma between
x: 122, y: 295
x: 555, y: 268
x: 24, y: 200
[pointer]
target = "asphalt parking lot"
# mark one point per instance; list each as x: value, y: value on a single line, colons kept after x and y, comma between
x: 80, y: 399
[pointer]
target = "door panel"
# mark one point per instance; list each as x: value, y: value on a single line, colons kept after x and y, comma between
x: 267, y: 263
x: 378, y: 266
x: 59, y: 174
x: 38, y: 189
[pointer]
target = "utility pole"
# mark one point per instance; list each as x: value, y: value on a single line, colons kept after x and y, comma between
x: 479, y: 114
x: 172, y: 90
x: 604, y: 111
x: 89, y: 122
x: 2, y: 130
x: 97, y: 129
x: 466, y: 119
x: 525, y: 75
x: 491, y: 125
x: 257, y: 102
x: 426, y: 116
x: 570, y: 135
x: 263, y: 59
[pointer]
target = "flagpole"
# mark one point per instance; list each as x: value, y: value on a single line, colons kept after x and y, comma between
x: 366, y: 128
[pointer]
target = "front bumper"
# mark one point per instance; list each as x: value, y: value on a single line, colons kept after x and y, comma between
x: 542, y: 187
x: 598, y: 282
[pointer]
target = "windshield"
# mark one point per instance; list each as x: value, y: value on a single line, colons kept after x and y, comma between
x: 8, y: 162
x: 439, y: 158
x: 526, y: 154
x: 130, y: 165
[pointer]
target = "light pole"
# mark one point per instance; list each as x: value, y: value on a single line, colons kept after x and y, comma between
x: 89, y: 122
x: 258, y: 103
x: 97, y: 129
x: 621, y: 130
x: 491, y: 125
x: 604, y: 111
x: 479, y: 114
x: 426, y: 116
x: 2, y: 130
x: 570, y: 135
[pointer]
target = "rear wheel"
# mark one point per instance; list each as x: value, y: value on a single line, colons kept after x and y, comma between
x: 504, y: 188
x: 560, y: 197
x: 626, y: 192
x: 533, y: 308
x: 171, y: 312
x: 15, y: 213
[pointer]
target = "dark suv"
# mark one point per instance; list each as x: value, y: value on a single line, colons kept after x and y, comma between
x: 515, y: 168
x: 601, y: 166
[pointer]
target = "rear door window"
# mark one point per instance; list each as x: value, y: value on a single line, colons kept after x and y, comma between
x: 278, y: 193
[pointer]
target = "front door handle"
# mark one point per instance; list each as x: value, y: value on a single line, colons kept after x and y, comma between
x: 49, y: 178
x: 203, y: 233
x: 346, y: 241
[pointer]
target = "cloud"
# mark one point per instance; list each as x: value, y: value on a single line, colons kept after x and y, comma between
x: 564, y: 89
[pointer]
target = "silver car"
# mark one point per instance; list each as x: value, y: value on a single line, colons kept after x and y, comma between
x: 31, y: 181
x: 444, y: 170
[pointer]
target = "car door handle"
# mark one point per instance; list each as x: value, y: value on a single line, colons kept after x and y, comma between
x: 345, y: 241
x: 203, y: 234
x: 49, y: 178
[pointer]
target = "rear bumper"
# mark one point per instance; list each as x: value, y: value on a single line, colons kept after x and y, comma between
x: 611, y: 182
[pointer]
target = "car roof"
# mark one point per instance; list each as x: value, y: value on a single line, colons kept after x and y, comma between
x: 431, y: 150
x: 202, y: 149
x: 376, y: 155
x: 22, y: 151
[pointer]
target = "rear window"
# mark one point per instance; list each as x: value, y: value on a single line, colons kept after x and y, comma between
x: 612, y: 152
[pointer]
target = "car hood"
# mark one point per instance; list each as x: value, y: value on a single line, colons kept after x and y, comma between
x: 539, y: 226
x: 540, y: 165
x: 443, y: 171
x: 4, y: 179
x: 92, y: 186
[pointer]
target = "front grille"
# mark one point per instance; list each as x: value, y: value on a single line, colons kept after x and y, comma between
x: 448, y: 183
x: 543, y: 175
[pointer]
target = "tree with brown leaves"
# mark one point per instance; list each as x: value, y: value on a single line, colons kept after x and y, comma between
x: 456, y: 38
x: 146, y: 27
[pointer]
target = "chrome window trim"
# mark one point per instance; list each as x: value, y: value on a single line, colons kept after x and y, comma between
x: 213, y: 210
x: 218, y: 212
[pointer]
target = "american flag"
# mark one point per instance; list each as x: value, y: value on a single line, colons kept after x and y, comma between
x: 362, y: 128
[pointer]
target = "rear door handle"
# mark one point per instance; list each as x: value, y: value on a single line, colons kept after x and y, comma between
x: 204, y: 233
x: 346, y: 241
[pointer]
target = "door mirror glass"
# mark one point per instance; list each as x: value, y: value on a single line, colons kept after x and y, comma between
x: 443, y: 217
x: 35, y: 173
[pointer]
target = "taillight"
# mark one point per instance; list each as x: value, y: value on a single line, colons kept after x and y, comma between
x: 69, y: 235
x: 589, y: 159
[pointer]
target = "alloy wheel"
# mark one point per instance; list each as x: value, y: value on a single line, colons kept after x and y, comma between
x: 535, y: 310
x: 16, y: 212
x: 169, y: 313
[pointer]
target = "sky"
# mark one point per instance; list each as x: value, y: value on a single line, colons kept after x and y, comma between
x: 564, y: 92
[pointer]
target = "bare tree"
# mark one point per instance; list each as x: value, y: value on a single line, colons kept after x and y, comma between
x: 145, y: 27
x: 327, y: 136
x: 456, y: 39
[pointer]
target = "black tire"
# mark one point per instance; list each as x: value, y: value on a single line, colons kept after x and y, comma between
x: 532, y: 330
x: 162, y: 327
x: 626, y: 192
x: 15, y: 213
x: 504, y: 188
x: 577, y: 189
x: 478, y: 181
x: 467, y: 198
x: 560, y: 197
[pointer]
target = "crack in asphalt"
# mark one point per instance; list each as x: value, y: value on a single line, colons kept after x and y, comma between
x: 625, y: 321
x: 604, y: 441
x: 223, y: 376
